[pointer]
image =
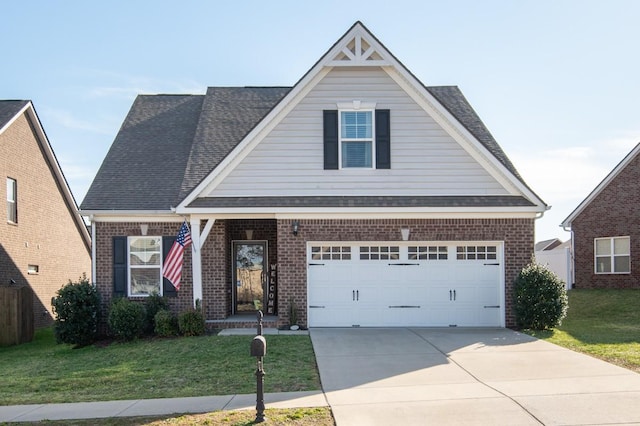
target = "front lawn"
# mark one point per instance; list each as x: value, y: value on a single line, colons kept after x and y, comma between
x: 43, y: 372
x: 601, y: 323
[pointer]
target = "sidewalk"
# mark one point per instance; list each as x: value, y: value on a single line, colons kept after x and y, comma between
x: 159, y: 407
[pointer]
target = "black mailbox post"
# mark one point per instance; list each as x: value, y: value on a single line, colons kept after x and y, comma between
x: 259, y: 350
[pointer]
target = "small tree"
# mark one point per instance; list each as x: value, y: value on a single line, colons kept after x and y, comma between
x: 77, y: 308
x: 126, y: 319
x: 540, y: 298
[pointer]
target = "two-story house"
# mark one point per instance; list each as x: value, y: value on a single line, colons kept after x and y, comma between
x: 359, y: 194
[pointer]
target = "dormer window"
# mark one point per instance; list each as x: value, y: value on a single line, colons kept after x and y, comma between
x: 356, y: 139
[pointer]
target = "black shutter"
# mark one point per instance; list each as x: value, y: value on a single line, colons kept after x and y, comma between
x: 168, y: 289
x: 330, y: 136
x: 119, y: 266
x: 383, y: 139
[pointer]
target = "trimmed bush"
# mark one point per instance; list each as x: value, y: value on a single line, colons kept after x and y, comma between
x: 166, y: 324
x: 153, y: 304
x: 77, y: 309
x: 126, y: 319
x: 191, y: 323
x: 540, y: 298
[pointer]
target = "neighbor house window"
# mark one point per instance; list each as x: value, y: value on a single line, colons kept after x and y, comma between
x: 356, y: 139
x: 12, y: 200
x: 145, y: 265
x: 612, y: 255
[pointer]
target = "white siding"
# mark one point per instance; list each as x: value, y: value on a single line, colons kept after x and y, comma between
x: 425, y: 160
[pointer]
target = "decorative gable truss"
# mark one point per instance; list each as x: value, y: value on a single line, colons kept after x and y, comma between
x: 359, y: 51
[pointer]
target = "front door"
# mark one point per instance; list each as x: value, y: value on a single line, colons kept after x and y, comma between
x: 249, y: 275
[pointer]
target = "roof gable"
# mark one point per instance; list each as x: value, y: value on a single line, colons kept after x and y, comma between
x: 12, y: 109
x: 602, y: 185
x: 358, y: 48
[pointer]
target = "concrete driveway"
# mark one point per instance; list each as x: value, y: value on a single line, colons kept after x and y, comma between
x: 463, y: 376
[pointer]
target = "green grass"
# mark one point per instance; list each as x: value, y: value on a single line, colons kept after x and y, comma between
x: 601, y: 323
x: 43, y: 372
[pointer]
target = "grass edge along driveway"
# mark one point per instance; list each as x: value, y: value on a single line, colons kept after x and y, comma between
x: 601, y: 323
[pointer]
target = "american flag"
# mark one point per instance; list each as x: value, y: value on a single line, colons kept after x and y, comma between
x: 172, y: 269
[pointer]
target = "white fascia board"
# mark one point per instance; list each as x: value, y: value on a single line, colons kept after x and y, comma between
x: 254, y: 137
x: 598, y: 189
x: 460, y: 133
x: 369, y: 212
x: 15, y: 117
x: 132, y: 216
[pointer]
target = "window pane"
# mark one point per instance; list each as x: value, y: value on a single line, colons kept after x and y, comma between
x: 603, y: 264
x: 145, y: 281
x: 356, y: 124
x: 144, y: 251
x: 621, y: 264
x: 12, y: 205
x: 621, y: 245
x: 603, y: 247
x: 356, y: 154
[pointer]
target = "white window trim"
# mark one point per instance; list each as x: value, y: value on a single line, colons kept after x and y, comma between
x: 129, y: 266
x: 611, y: 256
x: 360, y: 108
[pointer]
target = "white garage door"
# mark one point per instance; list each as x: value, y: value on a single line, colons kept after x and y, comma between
x: 430, y: 284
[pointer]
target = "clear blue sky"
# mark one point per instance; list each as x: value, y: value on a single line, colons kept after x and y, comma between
x: 556, y: 82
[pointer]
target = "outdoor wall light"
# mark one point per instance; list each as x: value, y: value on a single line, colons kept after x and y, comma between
x: 249, y: 234
x: 144, y: 227
x: 295, y: 227
x: 404, y: 231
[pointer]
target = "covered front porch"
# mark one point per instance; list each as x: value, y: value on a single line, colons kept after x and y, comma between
x: 235, y: 271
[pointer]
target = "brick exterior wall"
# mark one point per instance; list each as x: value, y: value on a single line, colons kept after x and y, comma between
x: 103, y: 238
x: 517, y: 234
x: 614, y: 212
x: 46, y: 234
x: 289, y: 253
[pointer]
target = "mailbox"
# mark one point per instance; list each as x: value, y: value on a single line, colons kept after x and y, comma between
x: 259, y: 346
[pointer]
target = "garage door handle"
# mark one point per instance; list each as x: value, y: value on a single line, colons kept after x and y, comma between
x: 492, y: 306
x: 404, y: 264
x: 491, y: 264
x: 316, y: 264
x: 405, y: 306
x: 353, y: 295
x: 322, y: 307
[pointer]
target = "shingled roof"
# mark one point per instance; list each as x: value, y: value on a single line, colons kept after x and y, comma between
x: 169, y: 143
x: 8, y: 110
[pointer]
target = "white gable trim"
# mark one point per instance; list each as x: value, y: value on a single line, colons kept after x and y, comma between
x: 356, y: 48
x: 602, y: 185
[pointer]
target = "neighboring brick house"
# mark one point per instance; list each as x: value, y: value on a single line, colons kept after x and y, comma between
x: 358, y: 194
x: 605, y: 230
x: 44, y: 242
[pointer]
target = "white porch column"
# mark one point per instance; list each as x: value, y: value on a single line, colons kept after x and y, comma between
x: 196, y: 260
x: 198, y: 240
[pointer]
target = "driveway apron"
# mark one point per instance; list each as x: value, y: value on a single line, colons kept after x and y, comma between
x: 465, y: 376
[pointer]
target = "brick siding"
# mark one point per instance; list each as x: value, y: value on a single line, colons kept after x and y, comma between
x: 46, y: 234
x: 614, y: 212
x: 289, y: 253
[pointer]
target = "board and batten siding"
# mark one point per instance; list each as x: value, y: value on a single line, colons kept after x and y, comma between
x: 425, y: 160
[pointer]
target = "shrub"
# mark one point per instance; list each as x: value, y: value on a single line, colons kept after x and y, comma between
x: 540, y: 298
x: 77, y: 309
x: 166, y: 324
x: 153, y: 304
x: 126, y: 319
x: 191, y: 323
